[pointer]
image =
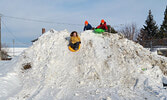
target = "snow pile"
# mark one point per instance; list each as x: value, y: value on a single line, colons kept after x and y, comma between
x: 107, y: 67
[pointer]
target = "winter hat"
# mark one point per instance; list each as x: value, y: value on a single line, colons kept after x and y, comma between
x: 86, y: 22
x: 102, y: 21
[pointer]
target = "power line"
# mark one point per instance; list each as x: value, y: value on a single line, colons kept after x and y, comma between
x: 49, y: 22
x: 41, y: 21
x: 13, y: 34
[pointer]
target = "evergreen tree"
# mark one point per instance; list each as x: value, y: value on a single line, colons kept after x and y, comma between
x: 141, y: 37
x: 163, y: 29
x: 150, y: 29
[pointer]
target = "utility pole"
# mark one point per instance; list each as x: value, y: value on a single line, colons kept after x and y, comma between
x: 0, y: 39
x: 13, y: 48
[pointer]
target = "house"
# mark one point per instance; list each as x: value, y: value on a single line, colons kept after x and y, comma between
x: 43, y: 31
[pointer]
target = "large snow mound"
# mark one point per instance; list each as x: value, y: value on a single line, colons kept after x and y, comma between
x: 107, y: 67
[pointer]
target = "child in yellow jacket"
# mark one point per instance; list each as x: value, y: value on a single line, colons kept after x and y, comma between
x: 74, y: 40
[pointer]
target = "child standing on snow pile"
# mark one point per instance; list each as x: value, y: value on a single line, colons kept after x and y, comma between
x: 74, y: 40
x: 102, y: 25
x: 87, y: 26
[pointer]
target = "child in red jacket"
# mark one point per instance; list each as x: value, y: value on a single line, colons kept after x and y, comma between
x: 103, y: 25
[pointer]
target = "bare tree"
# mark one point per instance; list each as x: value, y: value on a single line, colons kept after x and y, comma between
x: 130, y: 31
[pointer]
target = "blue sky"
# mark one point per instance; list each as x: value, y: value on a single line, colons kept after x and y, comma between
x: 115, y: 12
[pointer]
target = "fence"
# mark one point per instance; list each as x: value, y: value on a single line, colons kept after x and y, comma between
x: 156, y: 43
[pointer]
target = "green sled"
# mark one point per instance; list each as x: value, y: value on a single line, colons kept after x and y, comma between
x: 98, y: 31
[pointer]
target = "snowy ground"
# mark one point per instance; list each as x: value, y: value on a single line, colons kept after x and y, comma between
x: 107, y: 67
x: 14, y: 51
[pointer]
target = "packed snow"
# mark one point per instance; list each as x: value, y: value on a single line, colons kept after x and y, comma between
x: 107, y: 67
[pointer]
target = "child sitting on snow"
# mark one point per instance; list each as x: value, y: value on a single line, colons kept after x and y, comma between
x: 74, y: 40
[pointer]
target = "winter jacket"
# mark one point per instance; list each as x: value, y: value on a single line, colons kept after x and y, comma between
x: 103, y: 26
x: 88, y: 27
x: 75, y: 39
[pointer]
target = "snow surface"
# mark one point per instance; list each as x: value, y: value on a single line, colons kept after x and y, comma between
x: 14, y: 51
x: 107, y: 67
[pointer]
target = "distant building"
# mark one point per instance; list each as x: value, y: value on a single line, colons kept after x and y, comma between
x: 43, y: 31
x: 34, y: 40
